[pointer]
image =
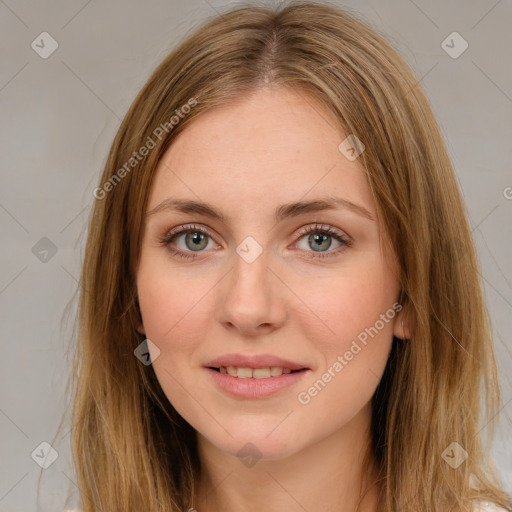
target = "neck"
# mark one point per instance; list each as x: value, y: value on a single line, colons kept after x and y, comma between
x: 328, y: 475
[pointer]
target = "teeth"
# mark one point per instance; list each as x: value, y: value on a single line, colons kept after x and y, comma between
x: 244, y: 373
x: 255, y: 373
x: 261, y: 373
x: 232, y: 371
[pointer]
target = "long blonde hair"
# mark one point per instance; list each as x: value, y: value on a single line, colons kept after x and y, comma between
x: 132, y: 451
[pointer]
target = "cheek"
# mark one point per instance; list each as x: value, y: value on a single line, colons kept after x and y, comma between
x: 346, y: 303
x: 168, y: 299
x: 352, y: 329
x: 161, y: 306
x: 357, y: 316
x: 168, y: 305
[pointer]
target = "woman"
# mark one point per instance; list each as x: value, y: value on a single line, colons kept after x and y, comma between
x: 280, y: 302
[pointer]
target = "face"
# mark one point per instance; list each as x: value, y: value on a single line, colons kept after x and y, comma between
x: 301, y: 297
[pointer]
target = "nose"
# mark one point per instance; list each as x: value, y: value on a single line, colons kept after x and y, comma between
x: 251, y: 297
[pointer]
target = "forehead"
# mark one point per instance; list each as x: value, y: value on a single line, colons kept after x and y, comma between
x: 276, y: 145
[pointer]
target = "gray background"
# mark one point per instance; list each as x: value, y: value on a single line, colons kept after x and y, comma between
x: 58, y: 117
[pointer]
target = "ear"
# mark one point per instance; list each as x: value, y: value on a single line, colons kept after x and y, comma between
x: 402, y: 319
x: 140, y: 327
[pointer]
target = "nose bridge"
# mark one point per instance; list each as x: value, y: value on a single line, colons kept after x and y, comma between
x: 251, y: 267
x: 250, y: 280
x: 250, y: 294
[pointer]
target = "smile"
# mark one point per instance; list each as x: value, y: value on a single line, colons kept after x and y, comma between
x: 254, y: 373
x: 254, y: 383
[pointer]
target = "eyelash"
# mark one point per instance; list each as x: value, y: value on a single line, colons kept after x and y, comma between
x: 317, y: 228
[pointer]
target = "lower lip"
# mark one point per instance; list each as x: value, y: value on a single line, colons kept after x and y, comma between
x: 254, y: 388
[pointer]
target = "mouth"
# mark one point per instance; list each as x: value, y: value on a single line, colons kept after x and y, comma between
x: 255, y: 373
x: 254, y: 380
x: 254, y: 376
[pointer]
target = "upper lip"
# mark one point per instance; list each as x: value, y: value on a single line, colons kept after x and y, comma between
x: 254, y: 361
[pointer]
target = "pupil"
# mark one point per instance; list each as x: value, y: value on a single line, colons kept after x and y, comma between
x: 319, y: 239
x: 196, y: 239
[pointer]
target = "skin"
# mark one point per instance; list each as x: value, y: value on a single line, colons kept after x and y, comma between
x: 273, y: 147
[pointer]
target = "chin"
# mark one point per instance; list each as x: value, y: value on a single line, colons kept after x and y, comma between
x: 253, y: 445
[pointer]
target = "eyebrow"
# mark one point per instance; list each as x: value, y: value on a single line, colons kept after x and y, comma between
x: 282, y: 212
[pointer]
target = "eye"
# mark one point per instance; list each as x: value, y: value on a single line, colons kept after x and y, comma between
x: 320, y: 238
x: 193, y: 239
x: 190, y: 239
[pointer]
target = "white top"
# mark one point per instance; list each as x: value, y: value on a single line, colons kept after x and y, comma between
x: 486, y: 506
